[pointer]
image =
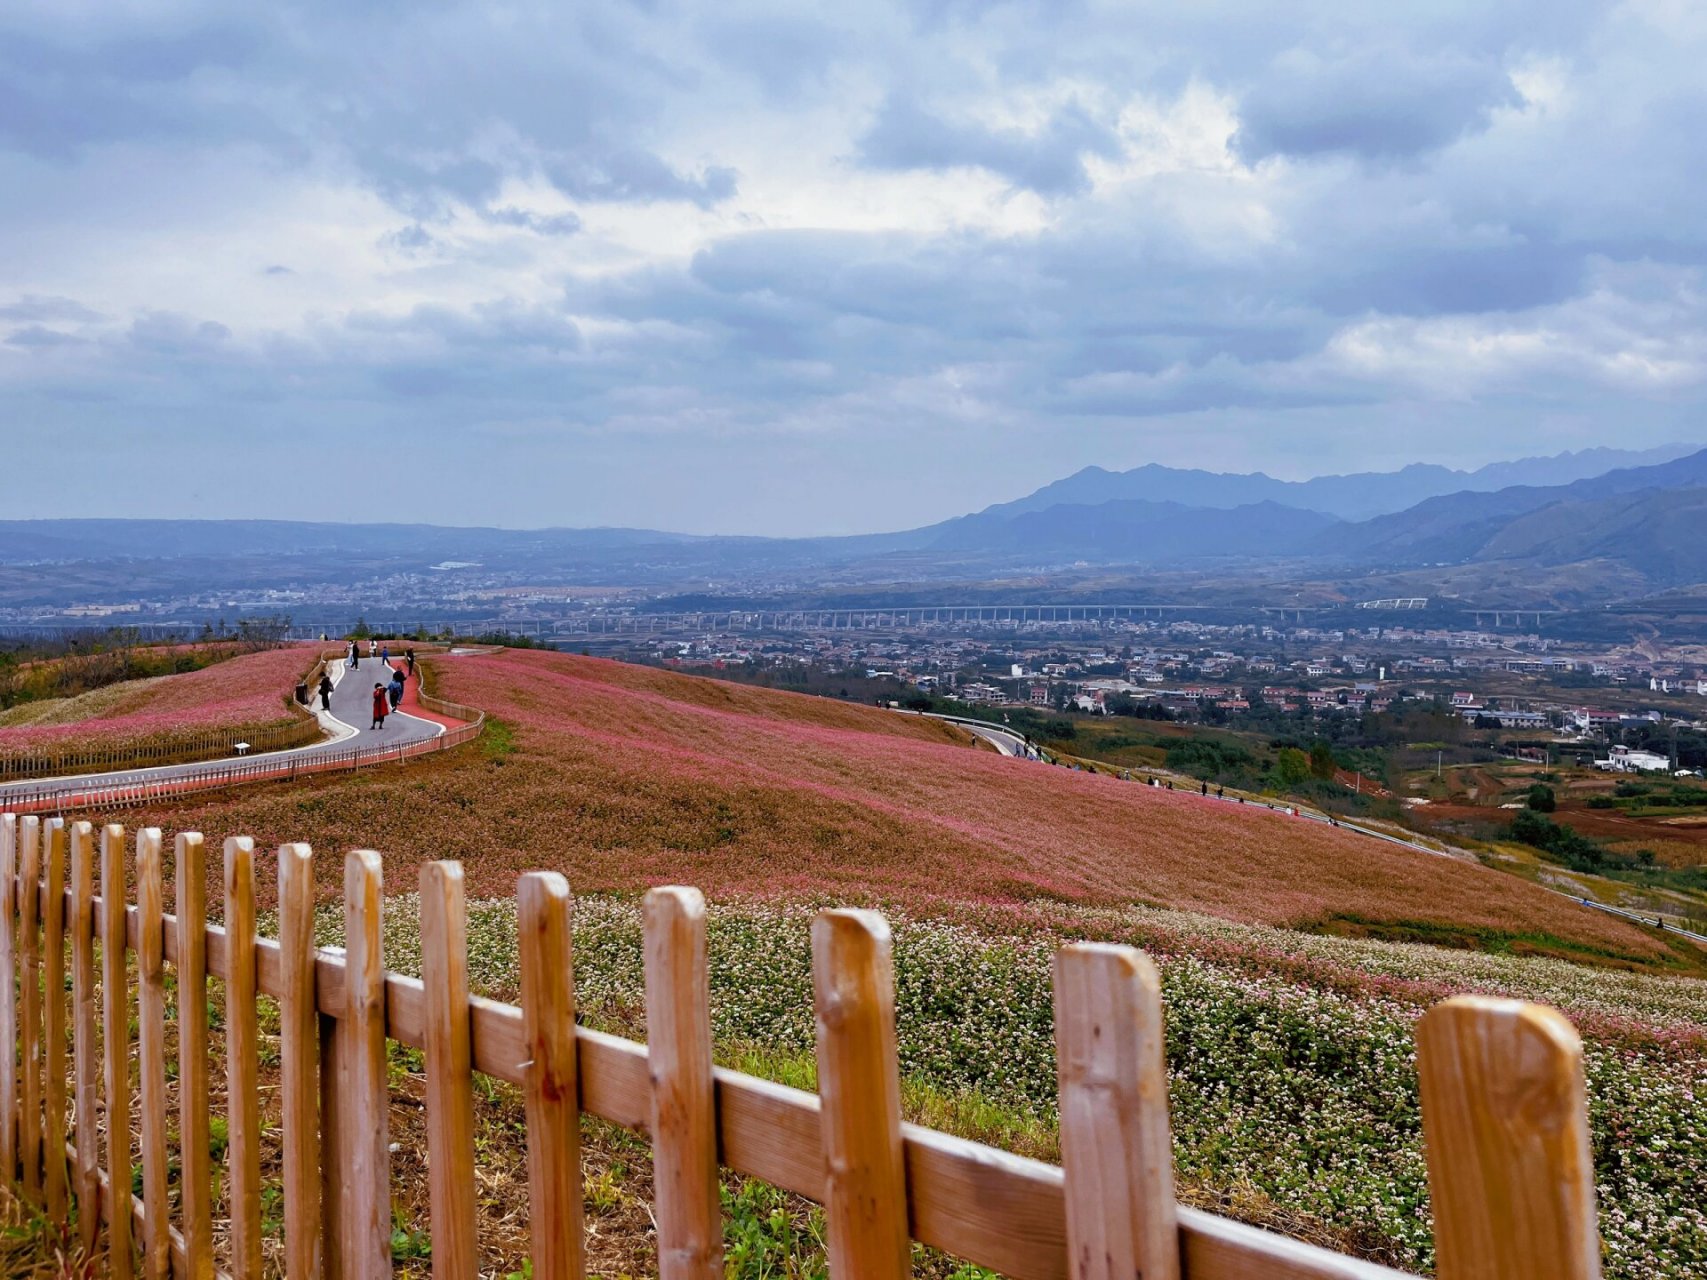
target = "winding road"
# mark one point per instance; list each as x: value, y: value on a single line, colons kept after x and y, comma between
x: 349, y: 741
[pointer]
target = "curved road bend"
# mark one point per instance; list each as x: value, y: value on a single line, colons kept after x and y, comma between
x: 347, y: 723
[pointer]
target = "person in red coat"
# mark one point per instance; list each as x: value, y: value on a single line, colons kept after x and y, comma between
x: 379, y: 706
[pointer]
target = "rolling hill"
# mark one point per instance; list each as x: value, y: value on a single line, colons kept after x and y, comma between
x: 1652, y: 519
x: 624, y: 777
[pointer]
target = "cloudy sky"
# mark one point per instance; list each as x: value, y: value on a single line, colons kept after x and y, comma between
x: 781, y: 268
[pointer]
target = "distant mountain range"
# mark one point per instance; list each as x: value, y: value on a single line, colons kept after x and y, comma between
x: 1638, y: 519
x: 1350, y: 497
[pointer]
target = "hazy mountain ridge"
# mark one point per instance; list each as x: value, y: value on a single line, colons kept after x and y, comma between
x: 1641, y: 524
x: 1358, y: 496
x: 1614, y: 516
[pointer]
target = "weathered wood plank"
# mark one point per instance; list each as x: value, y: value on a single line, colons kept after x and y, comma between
x: 450, y: 1077
x: 86, y: 1063
x: 1116, y: 1152
x: 54, y: 1070
x: 115, y: 1042
x: 299, y: 1061
x: 1505, y: 1121
x: 151, y: 981
x: 859, y: 1088
x: 242, y: 1060
x: 364, y: 1095
x: 29, y: 1005
x: 195, y: 1177
x: 684, y: 1115
x: 8, y: 998
x: 550, y: 1076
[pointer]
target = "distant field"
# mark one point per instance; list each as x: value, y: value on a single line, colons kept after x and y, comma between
x: 624, y: 776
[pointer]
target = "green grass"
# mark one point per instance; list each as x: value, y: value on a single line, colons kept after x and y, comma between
x: 497, y: 740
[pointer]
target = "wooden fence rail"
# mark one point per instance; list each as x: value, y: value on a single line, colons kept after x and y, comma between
x: 61, y: 797
x: 1502, y: 1091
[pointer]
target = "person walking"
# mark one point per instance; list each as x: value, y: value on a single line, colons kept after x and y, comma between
x: 385, y: 653
x: 409, y: 657
x: 379, y: 706
x: 325, y: 692
x: 396, y: 689
x: 354, y: 661
x: 373, y: 648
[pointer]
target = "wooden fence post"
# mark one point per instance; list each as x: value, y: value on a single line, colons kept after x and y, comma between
x: 299, y: 1062
x: 151, y: 966
x: 86, y: 1066
x: 242, y: 1060
x: 1116, y: 1151
x: 53, y: 1043
x: 684, y: 1107
x: 553, y: 1103
x: 334, y: 1153
x: 859, y: 1087
x: 29, y: 1002
x: 365, y: 1093
x: 115, y: 1045
x: 195, y: 1178
x: 450, y: 1074
x: 8, y: 998
x: 1505, y: 1120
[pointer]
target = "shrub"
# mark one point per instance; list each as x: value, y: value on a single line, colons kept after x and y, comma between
x: 1210, y: 760
x: 1542, y: 799
x: 1291, y: 767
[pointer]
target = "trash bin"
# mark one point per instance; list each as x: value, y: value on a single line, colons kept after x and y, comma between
x: 302, y: 694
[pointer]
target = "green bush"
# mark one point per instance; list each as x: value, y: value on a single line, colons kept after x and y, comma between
x: 1542, y: 799
x: 1291, y: 767
x: 1563, y: 845
x: 1211, y: 761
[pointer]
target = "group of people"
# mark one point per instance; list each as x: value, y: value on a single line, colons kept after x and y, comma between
x: 386, y: 694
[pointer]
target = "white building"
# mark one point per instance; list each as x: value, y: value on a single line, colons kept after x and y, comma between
x: 1625, y: 760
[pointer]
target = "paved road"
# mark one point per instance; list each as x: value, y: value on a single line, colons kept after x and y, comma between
x: 346, y: 724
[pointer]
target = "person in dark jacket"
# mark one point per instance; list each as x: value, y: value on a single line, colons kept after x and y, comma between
x: 379, y: 706
x: 325, y: 692
x: 396, y: 688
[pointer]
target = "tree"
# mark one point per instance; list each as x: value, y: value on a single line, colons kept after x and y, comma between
x: 1291, y: 767
x: 1322, y: 760
x: 1542, y: 799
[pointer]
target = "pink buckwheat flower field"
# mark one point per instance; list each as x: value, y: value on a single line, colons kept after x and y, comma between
x: 624, y: 777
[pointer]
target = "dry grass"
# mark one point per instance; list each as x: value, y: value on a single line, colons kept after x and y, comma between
x: 32, y: 1248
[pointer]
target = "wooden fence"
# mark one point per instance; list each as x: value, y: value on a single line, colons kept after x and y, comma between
x: 1502, y: 1091
x: 53, y: 761
x: 87, y: 755
x: 104, y: 797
